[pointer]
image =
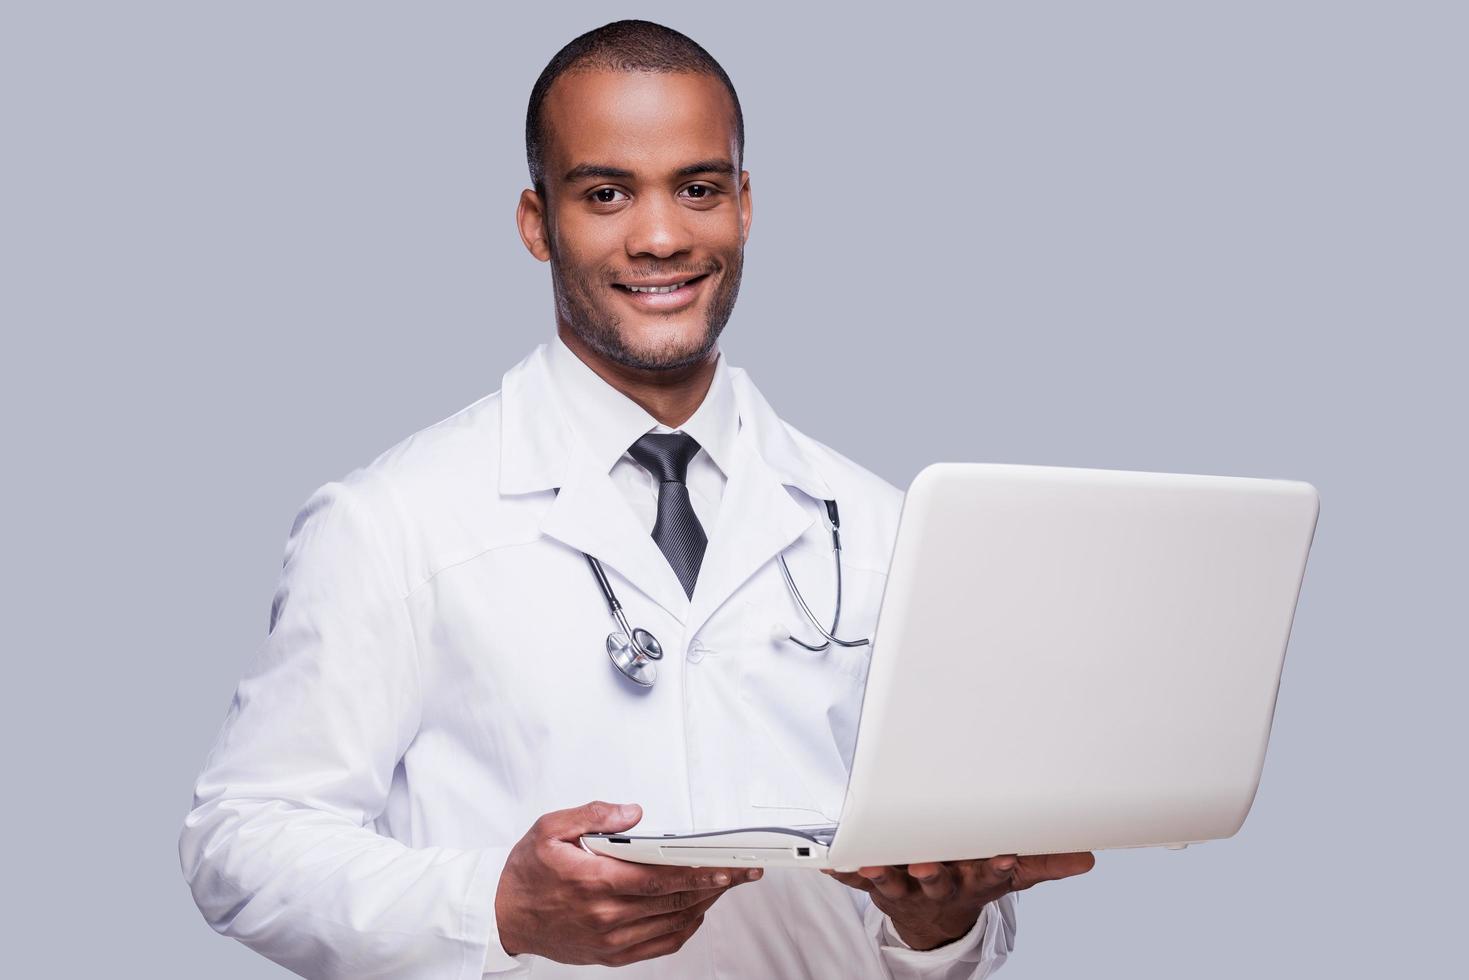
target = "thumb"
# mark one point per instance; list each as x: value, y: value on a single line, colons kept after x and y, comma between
x: 595, y: 817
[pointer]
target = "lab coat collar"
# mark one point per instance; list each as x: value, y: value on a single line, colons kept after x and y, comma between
x: 539, y: 451
x: 536, y: 441
x: 772, y: 440
x: 533, y: 436
x: 758, y: 515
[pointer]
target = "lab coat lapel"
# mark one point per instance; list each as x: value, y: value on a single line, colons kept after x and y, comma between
x: 539, y: 453
x: 758, y: 519
x: 771, y: 499
x: 591, y: 516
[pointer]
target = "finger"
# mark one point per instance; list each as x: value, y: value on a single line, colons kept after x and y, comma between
x: 852, y: 880
x: 935, y: 879
x: 1034, y: 869
x: 648, y: 881
x: 639, y: 907
x: 659, y: 946
x: 641, y: 929
x: 596, y: 817
x: 889, y: 881
x: 989, y: 876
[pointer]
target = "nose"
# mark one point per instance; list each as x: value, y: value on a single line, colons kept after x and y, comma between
x: 658, y: 228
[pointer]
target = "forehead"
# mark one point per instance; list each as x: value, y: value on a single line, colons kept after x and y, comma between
x: 644, y: 122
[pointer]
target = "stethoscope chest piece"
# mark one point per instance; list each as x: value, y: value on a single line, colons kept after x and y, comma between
x: 635, y: 658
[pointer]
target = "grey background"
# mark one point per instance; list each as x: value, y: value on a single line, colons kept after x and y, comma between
x: 248, y: 246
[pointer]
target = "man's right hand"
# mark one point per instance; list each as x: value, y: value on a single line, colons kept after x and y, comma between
x: 559, y: 901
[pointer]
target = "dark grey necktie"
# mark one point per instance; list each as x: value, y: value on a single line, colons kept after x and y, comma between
x: 677, y: 531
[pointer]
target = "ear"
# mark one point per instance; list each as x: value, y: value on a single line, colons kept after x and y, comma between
x: 530, y: 217
x: 747, y: 206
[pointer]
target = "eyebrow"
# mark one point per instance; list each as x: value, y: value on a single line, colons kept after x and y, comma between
x: 587, y: 171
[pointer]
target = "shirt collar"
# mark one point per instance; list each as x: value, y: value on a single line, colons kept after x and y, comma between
x: 607, y: 422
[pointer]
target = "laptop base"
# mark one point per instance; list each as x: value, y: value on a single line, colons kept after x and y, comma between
x: 759, y: 847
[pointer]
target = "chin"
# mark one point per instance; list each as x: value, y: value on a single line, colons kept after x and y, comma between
x: 667, y: 336
x: 665, y: 346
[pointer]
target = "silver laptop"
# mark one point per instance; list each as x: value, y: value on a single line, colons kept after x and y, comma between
x: 1109, y: 643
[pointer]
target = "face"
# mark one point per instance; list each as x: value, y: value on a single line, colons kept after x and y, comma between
x: 641, y: 193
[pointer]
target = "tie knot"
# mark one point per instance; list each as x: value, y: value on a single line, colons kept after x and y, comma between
x: 665, y: 455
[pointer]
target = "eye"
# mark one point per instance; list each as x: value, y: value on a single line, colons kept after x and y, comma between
x: 701, y: 192
x: 602, y: 195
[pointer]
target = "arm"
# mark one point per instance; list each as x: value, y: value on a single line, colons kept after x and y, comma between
x: 276, y: 849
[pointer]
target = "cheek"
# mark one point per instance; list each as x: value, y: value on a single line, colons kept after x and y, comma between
x: 583, y: 245
x: 721, y: 230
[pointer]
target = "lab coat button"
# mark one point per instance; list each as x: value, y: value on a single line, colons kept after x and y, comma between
x: 696, y: 653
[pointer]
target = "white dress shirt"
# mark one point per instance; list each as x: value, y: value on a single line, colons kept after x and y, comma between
x: 608, y: 422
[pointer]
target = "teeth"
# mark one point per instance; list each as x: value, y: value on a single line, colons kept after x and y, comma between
x: 658, y: 289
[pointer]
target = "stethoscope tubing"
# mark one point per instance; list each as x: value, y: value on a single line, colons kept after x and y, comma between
x: 836, y: 615
x: 639, y: 671
x: 834, y: 519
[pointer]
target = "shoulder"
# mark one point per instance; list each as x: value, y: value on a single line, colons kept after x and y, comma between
x: 456, y: 455
x: 869, y: 505
x: 432, y: 499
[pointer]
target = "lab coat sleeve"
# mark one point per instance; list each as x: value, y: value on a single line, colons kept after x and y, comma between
x: 975, y: 955
x: 277, y: 849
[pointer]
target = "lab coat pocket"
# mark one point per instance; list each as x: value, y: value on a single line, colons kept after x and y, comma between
x: 802, y: 708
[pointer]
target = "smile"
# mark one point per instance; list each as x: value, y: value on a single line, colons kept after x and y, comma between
x: 664, y: 297
x: 669, y: 288
x: 657, y: 289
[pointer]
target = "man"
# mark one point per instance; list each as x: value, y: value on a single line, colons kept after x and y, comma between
x: 401, y: 780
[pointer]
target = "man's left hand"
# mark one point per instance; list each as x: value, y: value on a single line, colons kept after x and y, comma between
x: 935, y: 903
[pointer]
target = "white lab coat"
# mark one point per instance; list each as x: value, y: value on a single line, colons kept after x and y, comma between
x: 435, y: 679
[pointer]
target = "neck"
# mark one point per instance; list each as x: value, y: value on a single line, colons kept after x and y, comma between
x: 670, y: 396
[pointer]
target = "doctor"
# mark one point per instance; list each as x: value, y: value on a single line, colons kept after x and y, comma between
x: 406, y: 765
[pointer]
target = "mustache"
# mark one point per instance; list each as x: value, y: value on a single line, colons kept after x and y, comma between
x: 637, y: 275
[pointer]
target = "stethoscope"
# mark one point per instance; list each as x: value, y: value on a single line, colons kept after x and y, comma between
x: 634, y: 651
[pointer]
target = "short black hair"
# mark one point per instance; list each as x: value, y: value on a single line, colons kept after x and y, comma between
x: 624, y: 46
